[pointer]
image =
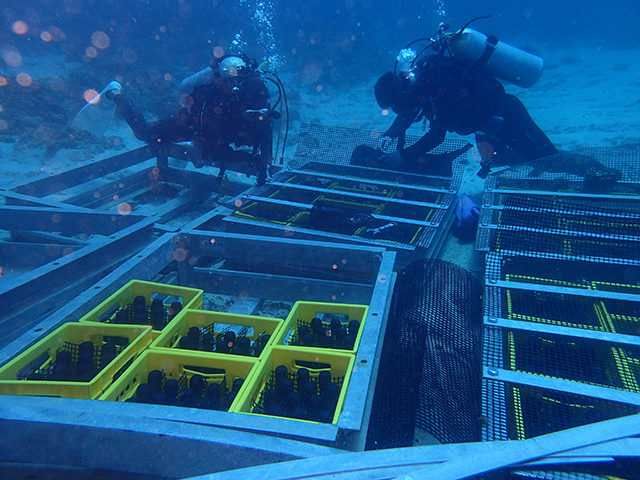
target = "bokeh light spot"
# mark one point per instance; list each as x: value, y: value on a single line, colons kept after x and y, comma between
x: 218, y: 52
x: 129, y: 55
x: 45, y: 36
x: 24, y: 79
x: 3, y: 125
x: 3, y: 81
x: 238, y: 203
x: 319, y: 88
x: 56, y: 84
x: 186, y: 101
x: 385, y: 112
x: 124, y: 208
x: 334, y: 266
x: 11, y: 55
x: 100, y: 40
x: 91, y: 96
x: 168, y: 77
x: 180, y: 254
x: 91, y: 52
x: 20, y: 27
x: 213, y: 240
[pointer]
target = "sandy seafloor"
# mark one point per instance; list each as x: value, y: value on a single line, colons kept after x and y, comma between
x: 585, y: 97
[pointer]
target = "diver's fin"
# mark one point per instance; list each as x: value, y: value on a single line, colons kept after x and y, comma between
x: 95, y: 117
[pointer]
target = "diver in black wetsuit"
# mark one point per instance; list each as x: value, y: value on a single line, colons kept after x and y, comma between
x: 455, y: 97
x: 229, y: 116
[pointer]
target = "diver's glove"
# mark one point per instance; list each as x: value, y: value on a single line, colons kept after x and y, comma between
x: 386, y: 143
x: 113, y: 89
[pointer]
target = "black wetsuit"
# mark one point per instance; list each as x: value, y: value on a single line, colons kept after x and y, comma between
x: 457, y: 98
x: 220, y: 118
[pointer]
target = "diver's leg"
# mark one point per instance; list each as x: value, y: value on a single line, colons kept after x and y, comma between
x: 163, y: 130
x: 134, y: 117
x: 521, y: 133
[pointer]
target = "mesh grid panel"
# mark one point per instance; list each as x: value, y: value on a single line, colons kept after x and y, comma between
x: 430, y: 366
x: 563, y: 236
x: 564, y: 309
x: 322, y: 192
x: 532, y: 411
x: 576, y: 359
x: 582, y: 204
x: 322, y: 144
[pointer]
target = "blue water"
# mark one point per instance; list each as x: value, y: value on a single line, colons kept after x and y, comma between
x: 150, y: 45
x: 358, y: 32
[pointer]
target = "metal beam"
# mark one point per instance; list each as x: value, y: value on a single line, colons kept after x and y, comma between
x: 362, y: 383
x: 285, y: 288
x: 560, y: 330
x: 18, y: 199
x: 554, y: 193
x: 41, y: 287
x: 109, y: 436
x: 306, y: 206
x: 45, y: 184
x: 357, y: 195
x: 66, y: 222
x: 307, y: 233
x: 599, y: 441
x: 19, y: 255
x: 370, y: 180
x: 143, y: 266
x: 361, y: 262
x: 580, y: 292
x: 566, y: 386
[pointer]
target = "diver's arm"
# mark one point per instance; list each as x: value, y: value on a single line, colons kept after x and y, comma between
x: 400, y: 125
x: 434, y: 137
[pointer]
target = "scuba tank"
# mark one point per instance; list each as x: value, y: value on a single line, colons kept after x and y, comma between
x: 226, y: 67
x: 496, y: 58
x: 203, y: 77
x: 480, y: 51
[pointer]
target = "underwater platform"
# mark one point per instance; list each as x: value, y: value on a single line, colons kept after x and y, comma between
x: 560, y: 363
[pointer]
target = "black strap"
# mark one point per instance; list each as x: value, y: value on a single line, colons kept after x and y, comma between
x: 490, y: 45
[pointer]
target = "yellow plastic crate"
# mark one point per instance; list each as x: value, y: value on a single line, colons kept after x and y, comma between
x: 303, y: 312
x: 123, y: 299
x: 340, y: 365
x: 180, y: 365
x: 43, y: 354
x: 215, y: 323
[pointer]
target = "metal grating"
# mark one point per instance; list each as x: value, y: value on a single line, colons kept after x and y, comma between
x: 529, y: 411
x: 319, y: 145
x: 562, y: 293
x: 567, y: 308
x: 321, y: 195
x: 430, y: 362
x: 584, y: 360
x: 590, y: 171
x: 566, y: 204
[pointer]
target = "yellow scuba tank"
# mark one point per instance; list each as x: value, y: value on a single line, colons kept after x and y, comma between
x: 496, y: 58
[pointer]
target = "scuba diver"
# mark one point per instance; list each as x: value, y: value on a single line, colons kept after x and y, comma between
x: 457, y: 92
x: 228, y: 116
